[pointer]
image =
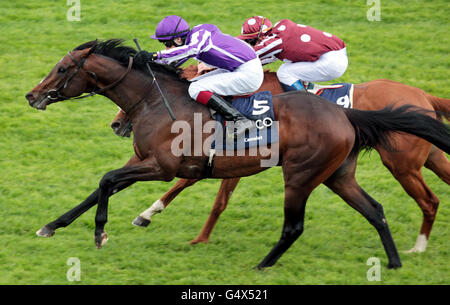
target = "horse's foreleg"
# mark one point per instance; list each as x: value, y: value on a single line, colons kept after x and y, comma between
x: 223, y: 196
x: 145, y: 170
x: 414, y: 184
x: 67, y: 218
x: 343, y: 183
x: 144, y: 219
x: 406, y: 168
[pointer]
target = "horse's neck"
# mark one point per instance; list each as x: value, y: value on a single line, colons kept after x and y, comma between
x: 138, y: 90
x: 107, y: 72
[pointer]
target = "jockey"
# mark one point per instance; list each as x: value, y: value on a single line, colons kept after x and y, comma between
x: 239, y: 68
x: 310, y: 55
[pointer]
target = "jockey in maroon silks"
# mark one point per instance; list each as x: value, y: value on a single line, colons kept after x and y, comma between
x: 310, y: 55
x: 239, y: 70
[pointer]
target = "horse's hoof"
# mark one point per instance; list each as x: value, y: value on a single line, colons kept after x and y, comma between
x: 395, y: 265
x: 100, y: 240
x: 259, y: 267
x: 414, y: 250
x: 197, y: 240
x: 141, y: 222
x: 45, y: 231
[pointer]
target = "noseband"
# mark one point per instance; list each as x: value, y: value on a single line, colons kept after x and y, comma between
x: 55, y: 94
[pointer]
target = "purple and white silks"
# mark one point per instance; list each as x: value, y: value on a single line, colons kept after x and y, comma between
x: 208, y: 44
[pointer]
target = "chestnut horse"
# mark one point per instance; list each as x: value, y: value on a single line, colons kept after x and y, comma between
x: 315, y: 138
x: 405, y: 164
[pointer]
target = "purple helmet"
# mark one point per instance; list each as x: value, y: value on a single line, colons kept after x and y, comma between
x: 170, y: 28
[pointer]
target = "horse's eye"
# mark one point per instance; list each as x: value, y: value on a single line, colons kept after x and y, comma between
x: 62, y: 70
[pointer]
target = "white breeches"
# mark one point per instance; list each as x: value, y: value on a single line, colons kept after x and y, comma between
x: 329, y: 66
x: 246, y: 79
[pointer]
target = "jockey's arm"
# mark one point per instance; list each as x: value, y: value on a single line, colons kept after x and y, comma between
x: 268, y: 49
x: 268, y: 59
x: 198, y: 42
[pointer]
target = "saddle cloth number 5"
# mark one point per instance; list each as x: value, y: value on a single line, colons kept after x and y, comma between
x: 260, y: 107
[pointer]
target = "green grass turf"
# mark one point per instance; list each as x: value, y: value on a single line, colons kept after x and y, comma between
x: 50, y: 161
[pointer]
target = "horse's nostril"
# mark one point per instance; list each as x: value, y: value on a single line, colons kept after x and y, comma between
x: 115, y: 125
x: 29, y: 97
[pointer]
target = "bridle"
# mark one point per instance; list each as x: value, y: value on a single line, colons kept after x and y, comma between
x: 55, y: 94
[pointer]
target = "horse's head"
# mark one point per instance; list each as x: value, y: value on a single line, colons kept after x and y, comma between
x: 121, y: 124
x: 67, y: 79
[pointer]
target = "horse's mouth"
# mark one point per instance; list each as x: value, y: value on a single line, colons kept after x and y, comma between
x: 40, y: 104
x: 123, y: 132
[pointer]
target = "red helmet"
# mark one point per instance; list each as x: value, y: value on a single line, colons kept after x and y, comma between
x: 254, y: 27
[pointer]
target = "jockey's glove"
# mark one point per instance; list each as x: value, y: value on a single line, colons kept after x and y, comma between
x: 142, y: 57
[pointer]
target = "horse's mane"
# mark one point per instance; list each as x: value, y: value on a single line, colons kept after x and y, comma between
x: 114, y: 48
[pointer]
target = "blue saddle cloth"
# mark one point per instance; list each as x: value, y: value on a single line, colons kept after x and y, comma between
x: 259, y: 108
x: 340, y: 94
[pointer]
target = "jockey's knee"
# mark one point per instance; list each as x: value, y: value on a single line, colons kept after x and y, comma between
x: 256, y: 83
x: 194, y: 90
x: 337, y: 69
x: 338, y: 72
x: 286, y: 78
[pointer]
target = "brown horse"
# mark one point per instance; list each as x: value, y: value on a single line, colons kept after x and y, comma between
x: 308, y: 156
x: 405, y: 164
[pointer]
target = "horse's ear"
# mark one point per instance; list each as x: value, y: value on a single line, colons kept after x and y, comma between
x: 92, y: 49
x: 86, y: 52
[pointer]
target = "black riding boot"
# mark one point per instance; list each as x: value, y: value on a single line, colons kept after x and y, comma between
x: 241, y: 123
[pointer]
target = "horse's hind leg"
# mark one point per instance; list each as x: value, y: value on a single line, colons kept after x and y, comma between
x: 300, y: 179
x: 223, y: 196
x: 144, y: 219
x: 343, y: 183
x: 294, y: 215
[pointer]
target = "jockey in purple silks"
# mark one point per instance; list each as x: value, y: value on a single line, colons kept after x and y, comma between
x: 239, y: 70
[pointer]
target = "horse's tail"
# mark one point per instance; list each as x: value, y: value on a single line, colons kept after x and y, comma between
x: 442, y: 105
x: 373, y: 128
